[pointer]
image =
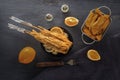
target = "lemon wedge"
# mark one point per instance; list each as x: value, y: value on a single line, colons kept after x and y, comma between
x: 71, y: 21
x: 57, y: 30
x: 93, y: 55
x: 26, y: 55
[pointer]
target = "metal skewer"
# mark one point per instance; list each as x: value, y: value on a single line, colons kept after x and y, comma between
x: 14, y: 27
x: 23, y: 22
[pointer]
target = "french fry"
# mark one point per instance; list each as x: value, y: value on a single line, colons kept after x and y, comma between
x: 106, y: 23
x: 96, y: 28
x: 95, y: 17
x: 98, y: 11
x: 88, y: 33
x: 88, y: 21
x: 99, y: 37
x: 106, y: 16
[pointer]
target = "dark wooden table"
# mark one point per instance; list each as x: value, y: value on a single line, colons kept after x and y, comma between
x: 11, y: 42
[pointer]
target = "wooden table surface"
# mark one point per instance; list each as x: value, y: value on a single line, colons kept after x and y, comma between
x: 11, y: 42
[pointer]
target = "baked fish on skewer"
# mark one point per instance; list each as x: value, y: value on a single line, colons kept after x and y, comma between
x: 53, y: 42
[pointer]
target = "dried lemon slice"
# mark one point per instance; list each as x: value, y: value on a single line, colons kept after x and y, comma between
x: 93, y: 55
x: 57, y: 30
x: 26, y: 55
x: 71, y: 21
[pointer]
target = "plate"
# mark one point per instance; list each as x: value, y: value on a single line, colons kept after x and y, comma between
x: 60, y: 54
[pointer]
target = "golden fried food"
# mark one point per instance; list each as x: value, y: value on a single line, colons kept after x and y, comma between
x: 88, y: 21
x: 26, y: 55
x: 52, y: 40
x: 98, y: 11
x: 86, y: 30
x: 71, y: 21
x: 93, y: 55
x: 99, y: 37
x: 106, y: 23
x: 93, y: 20
x: 96, y: 24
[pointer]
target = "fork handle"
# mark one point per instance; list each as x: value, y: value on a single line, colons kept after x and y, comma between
x: 49, y: 64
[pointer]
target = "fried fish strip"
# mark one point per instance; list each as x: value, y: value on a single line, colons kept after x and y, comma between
x: 95, y: 17
x: 96, y: 24
x: 99, y: 37
x: 55, y: 35
x: 96, y: 27
x: 88, y: 21
x: 104, y: 26
x: 57, y: 44
x: 88, y: 33
x: 98, y: 11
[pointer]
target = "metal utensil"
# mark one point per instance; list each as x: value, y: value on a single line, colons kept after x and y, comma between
x: 56, y: 63
x: 23, y: 22
x: 14, y: 27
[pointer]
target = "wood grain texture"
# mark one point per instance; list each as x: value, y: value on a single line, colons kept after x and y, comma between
x: 11, y: 42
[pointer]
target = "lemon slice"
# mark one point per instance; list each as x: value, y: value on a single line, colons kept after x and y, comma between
x: 57, y: 30
x: 26, y: 55
x: 71, y: 21
x: 93, y: 55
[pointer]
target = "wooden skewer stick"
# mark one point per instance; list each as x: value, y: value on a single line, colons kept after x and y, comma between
x: 70, y: 62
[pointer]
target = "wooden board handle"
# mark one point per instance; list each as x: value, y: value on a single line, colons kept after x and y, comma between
x: 49, y: 64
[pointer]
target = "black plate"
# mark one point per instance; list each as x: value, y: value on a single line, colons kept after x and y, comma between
x: 60, y: 54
